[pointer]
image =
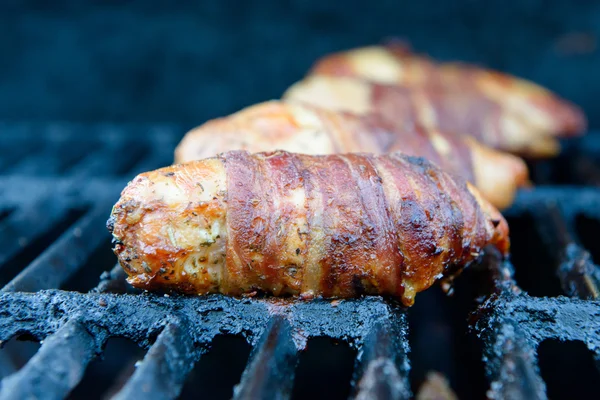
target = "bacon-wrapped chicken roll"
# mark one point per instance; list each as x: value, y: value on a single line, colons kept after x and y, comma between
x: 306, y: 129
x: 538, y: 115
x: 289, y: 224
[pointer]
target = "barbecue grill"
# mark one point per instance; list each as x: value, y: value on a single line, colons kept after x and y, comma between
x: 528, y: 331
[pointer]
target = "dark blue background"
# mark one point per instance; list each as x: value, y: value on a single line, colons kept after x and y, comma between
x: 185, y: 62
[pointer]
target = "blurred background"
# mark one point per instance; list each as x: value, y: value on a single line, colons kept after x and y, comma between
x: 188, y: 61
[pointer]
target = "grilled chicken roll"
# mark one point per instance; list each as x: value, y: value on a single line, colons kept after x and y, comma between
x: 480, y: 118
x: 542, y: 115
x: 289, y: 224
x: 306, y: 129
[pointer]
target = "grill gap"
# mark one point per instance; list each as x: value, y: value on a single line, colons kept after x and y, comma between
x: 5, y: 213
x: 108, y: 373
x: 568, y: 369
x: 16, y: 352
x: 219, y: 370
x: 86, y: 278
x: 587, y: 231
x: 135, y: 152
x: 586, y: 170
x: 578, y: 164
x: 469, y: 380
x: 439, y: 334
x: 324, y: 370
x: 535, y: 269
x: 431, y: 335
x: 541, y: 172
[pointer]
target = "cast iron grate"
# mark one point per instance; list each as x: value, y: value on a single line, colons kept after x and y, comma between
x: 41, y: 191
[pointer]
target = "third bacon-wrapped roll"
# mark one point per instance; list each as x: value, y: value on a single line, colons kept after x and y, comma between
x: 523, y: 108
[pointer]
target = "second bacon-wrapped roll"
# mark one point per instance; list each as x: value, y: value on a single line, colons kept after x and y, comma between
x: 307, y: 129
x: 310, y: 226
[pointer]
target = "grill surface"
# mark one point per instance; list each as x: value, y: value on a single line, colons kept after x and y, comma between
x: 59, y: 182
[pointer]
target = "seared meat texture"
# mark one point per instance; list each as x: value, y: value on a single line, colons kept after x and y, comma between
x: 307, y: 129
x: 290, y: 224
x: 519, y: 116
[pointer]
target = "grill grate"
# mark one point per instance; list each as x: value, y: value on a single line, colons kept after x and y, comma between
x: 42, y: 190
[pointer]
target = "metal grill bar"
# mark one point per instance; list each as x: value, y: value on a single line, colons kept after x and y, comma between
x: 520, y: 323
x: 57, y: 367
x: 163, y: 371
x: 511, y: 364
x: 65, y: 256
x: 270, y: 372
x: 111, y: 315
x: 571, y: 200
x: 516, y: 376
x: 41, y: 313
x: 514, y: 323
x: 578, y: 275
x: 75, y: 342
x: 553, y: 318
x: 383, y: 364
x: 112, y: 281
